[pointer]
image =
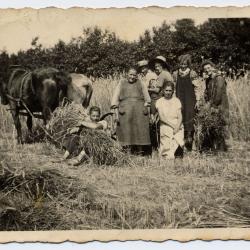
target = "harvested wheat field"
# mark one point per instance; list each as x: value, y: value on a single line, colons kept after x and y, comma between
x: 199, y: 191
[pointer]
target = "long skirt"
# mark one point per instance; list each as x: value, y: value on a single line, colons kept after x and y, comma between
x: 133, y: 127
x: 185, y: 92
x: 170, y: 142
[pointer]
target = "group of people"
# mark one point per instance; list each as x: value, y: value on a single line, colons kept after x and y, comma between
x: 155, y: 110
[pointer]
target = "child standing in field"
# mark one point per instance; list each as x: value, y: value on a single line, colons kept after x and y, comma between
x: 171, y: 127
x: 73, y: 142
x: 187, y: 86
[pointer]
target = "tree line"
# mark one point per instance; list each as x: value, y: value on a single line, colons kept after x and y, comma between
x: 100, y: 53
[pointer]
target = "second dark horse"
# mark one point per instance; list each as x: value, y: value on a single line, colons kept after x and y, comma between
x: 40, y: 90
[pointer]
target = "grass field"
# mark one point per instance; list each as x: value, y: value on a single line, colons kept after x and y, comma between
x: 37, y: 193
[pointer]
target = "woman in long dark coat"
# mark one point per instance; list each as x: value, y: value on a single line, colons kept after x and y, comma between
x: 216, y: 96
x: 131, y: 103
x: 186, y: 86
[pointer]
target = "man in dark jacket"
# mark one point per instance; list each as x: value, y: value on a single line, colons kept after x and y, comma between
x: 216, y: 96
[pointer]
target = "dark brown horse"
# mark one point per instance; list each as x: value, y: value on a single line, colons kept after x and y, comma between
x: 40, y: 90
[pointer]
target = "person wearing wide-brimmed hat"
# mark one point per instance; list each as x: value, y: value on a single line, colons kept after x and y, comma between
x: 145, y: 73
x: 186, y: 90
x: 148, y: 78
x: 160, y: 67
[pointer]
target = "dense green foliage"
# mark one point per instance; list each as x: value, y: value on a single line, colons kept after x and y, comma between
x: 101, y: 53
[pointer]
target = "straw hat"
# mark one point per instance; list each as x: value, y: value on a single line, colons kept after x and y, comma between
x: 142, y: 63
x: 205, y: 62
x: 159, y: 59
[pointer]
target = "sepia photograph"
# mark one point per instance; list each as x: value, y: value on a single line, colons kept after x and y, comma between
x: 121, y: 119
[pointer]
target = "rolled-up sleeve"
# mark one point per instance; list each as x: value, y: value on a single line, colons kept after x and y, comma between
x: 175, y: 76
x: 196, y: 83
x: 116, y: 96
x: 146, y: 95
x: 164, y: 76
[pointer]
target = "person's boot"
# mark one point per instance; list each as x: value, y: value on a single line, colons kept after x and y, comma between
x: 189, y: 140
x: 179, y: 152
x: 79, y: 159
x: 66, y: 155
x: 221, y: 145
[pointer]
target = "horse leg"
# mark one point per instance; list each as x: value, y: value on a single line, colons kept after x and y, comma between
x: 29, y: 123
x: 17, y: 123
x: 46, y: 114
x: 89, y: 91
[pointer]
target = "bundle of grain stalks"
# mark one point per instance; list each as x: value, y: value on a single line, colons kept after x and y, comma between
x: 208, y: 119
x: 65, y: 118
x: 98, y: 145
x: 38, y: 198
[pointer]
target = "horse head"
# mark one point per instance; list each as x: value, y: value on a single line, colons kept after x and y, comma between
x: 50, y: 86
x: 63, y: 80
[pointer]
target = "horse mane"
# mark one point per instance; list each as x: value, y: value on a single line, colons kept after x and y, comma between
x: 44, y: 72
x: 54, y: 73
x: 62, y: 78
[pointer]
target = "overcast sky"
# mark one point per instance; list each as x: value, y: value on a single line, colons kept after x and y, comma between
x: 13, y: 41
x: 19, y: 27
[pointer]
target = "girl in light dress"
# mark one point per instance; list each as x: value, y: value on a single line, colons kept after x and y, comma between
x: 171, y: 128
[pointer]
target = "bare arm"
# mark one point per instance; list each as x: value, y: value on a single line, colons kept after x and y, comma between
x: 179, y: 119
x: 196, y: 83
x: 154, y: 90
x: 91, y: 125
x: 147, y: 98
x: 165, y: 75
x: 116, y: 96
x: 86, y: 124
x: 175, y: 76
x: 115, y: 102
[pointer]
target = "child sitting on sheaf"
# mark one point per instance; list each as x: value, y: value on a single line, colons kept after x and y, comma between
x: 72, y: 142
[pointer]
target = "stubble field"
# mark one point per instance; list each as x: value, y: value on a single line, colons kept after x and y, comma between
x: 201, y: 190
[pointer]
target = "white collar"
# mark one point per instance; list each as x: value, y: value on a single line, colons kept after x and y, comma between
x: 184, y: 72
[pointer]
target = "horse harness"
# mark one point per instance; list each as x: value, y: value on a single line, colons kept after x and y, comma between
x: 20, y: 102
x: 20, y: 99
